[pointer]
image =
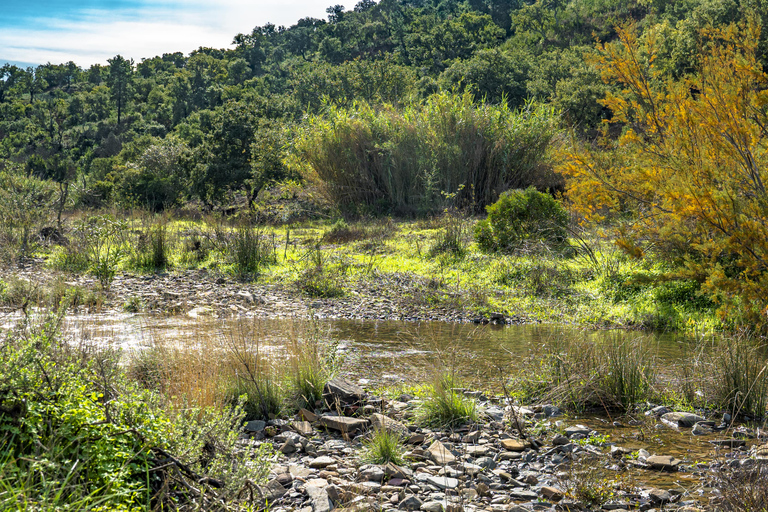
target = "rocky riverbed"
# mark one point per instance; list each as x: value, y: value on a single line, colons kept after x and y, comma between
x: 487, y: 466
x: 394, y: 296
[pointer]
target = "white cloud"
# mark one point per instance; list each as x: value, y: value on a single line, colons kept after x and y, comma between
x: 97, y: 35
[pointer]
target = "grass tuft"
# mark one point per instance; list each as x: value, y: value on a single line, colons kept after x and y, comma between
x: 382, y: 447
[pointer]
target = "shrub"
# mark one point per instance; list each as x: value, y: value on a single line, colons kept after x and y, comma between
x: 76, y: 434
x: 246, y: 249
x: 400, y: 160
x: 520, y: 218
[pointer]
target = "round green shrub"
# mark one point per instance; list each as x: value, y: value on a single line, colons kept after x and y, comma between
x: 521, y: 217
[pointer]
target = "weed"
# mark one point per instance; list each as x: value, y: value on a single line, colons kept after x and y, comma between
x: 313, y: 362
x: 445, y: 406
x: 133, y: 304
x: 383, y: 446
x: 247, y: 250
x: 153, y: 247
x: 583, y: 483
x: 452, y: 239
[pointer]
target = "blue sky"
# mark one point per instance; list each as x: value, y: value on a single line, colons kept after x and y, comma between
x: 91, y: 31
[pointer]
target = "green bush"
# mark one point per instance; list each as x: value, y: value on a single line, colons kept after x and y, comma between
x: 521, y: 218
x: 76, y: 434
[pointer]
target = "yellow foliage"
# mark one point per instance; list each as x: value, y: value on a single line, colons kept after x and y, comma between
x: 687, y: 172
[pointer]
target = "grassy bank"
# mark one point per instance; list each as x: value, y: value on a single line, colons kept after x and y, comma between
x: 432, y: 263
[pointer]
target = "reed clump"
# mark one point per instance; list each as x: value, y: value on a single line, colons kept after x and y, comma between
x: 449, y: 151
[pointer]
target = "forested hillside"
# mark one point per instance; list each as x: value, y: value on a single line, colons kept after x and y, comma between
x: 175, y: 127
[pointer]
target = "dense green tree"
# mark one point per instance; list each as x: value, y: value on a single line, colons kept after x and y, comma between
x: 119, y: 81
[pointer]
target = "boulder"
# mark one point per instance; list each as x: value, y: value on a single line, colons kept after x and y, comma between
x: 681, y: 419
x: 381, y: 422
x: 341, y: 391
x: 343, y: 423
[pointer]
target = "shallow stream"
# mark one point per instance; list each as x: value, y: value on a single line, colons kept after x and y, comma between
x: 389, y: 352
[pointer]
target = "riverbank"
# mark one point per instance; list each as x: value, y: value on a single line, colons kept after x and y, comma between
x: 385, y: 270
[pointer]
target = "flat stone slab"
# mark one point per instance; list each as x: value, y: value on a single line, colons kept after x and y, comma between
x: 514, y: 445
x: 440, y: 454
x: 343, y: 423
x: 381, y: 422
x: 663, y: 462
x: 442, y: 482
x: 321, y: 462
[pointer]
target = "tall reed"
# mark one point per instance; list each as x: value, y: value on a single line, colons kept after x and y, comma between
x: 403, y: 159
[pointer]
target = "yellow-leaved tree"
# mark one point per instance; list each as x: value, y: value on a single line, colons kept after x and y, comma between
x: 686, y: 177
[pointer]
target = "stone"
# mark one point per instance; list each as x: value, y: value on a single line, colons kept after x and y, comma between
x: 663, y: 462
x: 619, y: 451
x: 393, y: 471
x: 658, y: 411
x: 381, y: 422
x: 321, y: 462
x: 342, y: 391
x: 432, y: 506
x: 299, y: 472
x: 523, y: 494
x: 514, y: 445
x: 477, y: 450
x: 272, y: 491
x: 730, y: 443
x: 319, y: 497
x: 307, y: 415
x: 681, y: 419
x: 410, y: 503
x: 343, y: 424
x: 560, y: 440
x: 288, y: 447
x: 551, y: 493
x: 302, y: 427
x: 440, y: 454
x: 371, y: 473
x: 442, y: 482
x: 577, y: 430
x: 659, y: 496
x: 255, y: 426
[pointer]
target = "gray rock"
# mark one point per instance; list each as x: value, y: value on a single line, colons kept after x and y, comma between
x: 255, y: 426
x: 381, y: 422
x: 575, y: 430
x: 663, y: 462
x: 288, y: 447
x: 319, y: 497
x: 523, y: 494
x: 681, y: 419
x: 272, y: 491
x: 442, y: 482
x: 321, y: 462
x: 659, y: 496
x: 371, y: 473
x: 410, y: 503
x: 342, y: 391
x: 343, y: 423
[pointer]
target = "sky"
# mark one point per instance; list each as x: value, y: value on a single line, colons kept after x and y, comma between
x: 89, y: 32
